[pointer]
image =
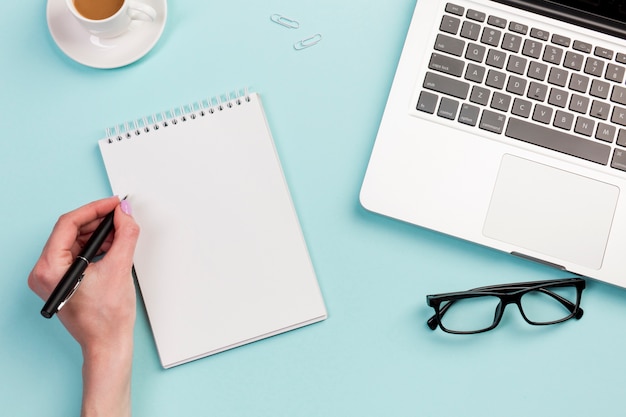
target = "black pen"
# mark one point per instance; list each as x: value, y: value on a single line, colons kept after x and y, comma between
x: 74, y: 275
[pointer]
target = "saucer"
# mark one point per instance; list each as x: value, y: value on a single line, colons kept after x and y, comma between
x: 83, y: 47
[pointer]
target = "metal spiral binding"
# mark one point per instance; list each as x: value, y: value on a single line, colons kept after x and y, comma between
x: 182, y: 114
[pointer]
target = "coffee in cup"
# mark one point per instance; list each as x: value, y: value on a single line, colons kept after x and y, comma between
x: 98, y: 9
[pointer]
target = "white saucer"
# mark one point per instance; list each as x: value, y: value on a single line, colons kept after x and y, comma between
x: 90, y: 50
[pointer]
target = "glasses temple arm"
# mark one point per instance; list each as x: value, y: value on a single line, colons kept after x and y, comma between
x: 571, y: 307
x: 433, y: 322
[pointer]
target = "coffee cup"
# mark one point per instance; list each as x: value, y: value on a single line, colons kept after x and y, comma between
x: 110, y: 18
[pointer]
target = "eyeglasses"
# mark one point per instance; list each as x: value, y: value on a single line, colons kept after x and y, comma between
x: 480, y: 309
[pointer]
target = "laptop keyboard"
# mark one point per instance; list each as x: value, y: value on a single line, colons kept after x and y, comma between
x: 528, y: 84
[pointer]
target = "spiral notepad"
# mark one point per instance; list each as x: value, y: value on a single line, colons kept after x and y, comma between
x: 221, y: 260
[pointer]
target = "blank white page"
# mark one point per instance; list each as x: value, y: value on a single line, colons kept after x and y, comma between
x: 221, y: 260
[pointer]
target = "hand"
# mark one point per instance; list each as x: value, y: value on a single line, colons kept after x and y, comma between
x: 101, y: 314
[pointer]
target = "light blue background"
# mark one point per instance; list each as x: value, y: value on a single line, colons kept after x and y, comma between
x: 374, y: 356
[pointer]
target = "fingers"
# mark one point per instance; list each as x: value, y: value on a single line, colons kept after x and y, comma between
x: 88, y: 213
x: 72, y: 224
x: 62, y: 245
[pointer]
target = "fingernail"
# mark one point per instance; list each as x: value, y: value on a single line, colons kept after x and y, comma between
x: 126, y: 208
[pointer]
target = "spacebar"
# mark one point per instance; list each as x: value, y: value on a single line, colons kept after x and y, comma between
x: 558, y: 141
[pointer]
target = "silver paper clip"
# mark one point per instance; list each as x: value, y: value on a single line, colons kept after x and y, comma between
x: 308, y: 42
x: 285, y: 21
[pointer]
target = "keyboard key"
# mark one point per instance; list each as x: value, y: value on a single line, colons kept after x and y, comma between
x: 619, y: 160
x: 594, y: 66
x: 511, y: 42
x: 496, y: 58
x: 427, y: 102
x: 558, y: 141
x: 475, y: 73
x: 573, y: 61
x: 448, y: 108
x: 469, y: 114
x: 614, y: 73
x: 516, y: 85
x: 553, y: 55
x: 495, y: 79
x: 561, y: 40
x: 491, y: 36
x: 599, y: 110
x: 518, y: 28
x: 619, y: 115
x: 603, y: 53
x: 537, y: 91
x: 450, y: 24
x: 537, y: 70
x: 605, y: 132
x: 480, y: 95
x: 454, y: 9
x: 532, y: 48
x: 470, y: 30
x: 582, y: 46
x: 500, y: 101
x: 542, y: 114
x: 621, y: 58
x: 579, y: 104
x: 579, y: 83
x: 521, y: 107
x: 558, y: 76
x: 618, y: 95
x: 492, y: 121
x: 475, y: 52
x: 584, y: 126
x: 516, y: 64
x: 446, y: 64
x: 558, y: 97
x: 599, y: 89
x: 445, y: 43
x: 621, y: 137
x: 475, y: 15
x: 539, y: 34
x: 563, y: 120
x: 497, y: 21
x: 446, y: 85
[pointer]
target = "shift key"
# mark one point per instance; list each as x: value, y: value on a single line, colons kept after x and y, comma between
x: 446, y: 85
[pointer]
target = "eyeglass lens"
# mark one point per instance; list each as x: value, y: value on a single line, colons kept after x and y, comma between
x: 470, y: 314
x: 545, y: 306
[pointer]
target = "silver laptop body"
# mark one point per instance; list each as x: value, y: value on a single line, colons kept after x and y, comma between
x: 506, y: 126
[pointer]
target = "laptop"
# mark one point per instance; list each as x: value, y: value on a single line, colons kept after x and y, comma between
x: 506, y: 126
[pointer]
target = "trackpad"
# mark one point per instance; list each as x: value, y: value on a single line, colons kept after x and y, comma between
x: 551, y: 211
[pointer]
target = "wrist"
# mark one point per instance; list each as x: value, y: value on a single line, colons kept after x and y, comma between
x: 107, y: 380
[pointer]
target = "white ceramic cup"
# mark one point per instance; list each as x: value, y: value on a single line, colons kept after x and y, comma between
x: 131, y: 10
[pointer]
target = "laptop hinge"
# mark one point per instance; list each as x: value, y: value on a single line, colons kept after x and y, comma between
x: 541, y: 261
x: 571, y: 15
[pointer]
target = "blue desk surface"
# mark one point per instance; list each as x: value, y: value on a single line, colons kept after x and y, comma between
x: 374, y: 355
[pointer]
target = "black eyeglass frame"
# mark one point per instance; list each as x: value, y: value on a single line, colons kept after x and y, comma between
x: 508, y: 294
